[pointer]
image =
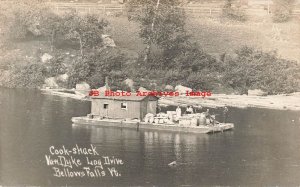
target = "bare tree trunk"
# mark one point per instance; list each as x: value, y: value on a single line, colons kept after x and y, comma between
x: 148, y: 47
x: 156, y: 8
x: 81, y: 46
x: 52, y: 41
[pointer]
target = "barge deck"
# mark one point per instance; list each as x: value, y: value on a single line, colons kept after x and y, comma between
x: 131, y: 124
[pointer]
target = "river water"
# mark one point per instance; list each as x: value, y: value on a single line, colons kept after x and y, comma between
x: 263, y: 149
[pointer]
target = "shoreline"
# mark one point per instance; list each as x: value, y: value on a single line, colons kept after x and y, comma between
x: 276, y: 102
x: 62, y: 93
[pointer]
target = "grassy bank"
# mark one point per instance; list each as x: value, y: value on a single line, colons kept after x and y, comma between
x: 217, y: 36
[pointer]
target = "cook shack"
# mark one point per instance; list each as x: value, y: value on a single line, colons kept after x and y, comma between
x: 116, y: 107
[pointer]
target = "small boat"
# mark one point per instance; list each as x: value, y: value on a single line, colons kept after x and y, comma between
x: 136, y: 124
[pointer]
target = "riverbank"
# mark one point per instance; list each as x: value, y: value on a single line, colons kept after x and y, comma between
x: 278, y: 102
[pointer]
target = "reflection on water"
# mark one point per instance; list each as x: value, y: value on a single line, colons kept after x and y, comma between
x: 147, y: 151
x: 263, y: 149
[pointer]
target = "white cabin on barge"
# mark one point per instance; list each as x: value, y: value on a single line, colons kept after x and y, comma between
x: 123, y: 107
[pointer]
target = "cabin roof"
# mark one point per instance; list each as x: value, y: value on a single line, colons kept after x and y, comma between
x: 124, y: 98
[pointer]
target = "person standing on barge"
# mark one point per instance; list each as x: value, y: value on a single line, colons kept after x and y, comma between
x: 225, y: 111
x: 178, y: 112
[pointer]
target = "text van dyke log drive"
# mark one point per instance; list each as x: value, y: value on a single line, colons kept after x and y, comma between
x: 73, y: 151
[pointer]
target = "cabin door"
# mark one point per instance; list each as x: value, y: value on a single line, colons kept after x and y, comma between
x: 151, y: 107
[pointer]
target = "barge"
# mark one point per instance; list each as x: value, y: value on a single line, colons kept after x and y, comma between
x: 140, y: 112
x: 134, y: 124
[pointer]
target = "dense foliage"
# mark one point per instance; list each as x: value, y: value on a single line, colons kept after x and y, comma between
x: 161, y: 24
x: 97, y: 65
x: 29, y: 76
x: 254, y: 69
x: 86, y: 30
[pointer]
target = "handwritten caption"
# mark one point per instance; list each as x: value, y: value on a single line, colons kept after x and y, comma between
x: 82, y: 162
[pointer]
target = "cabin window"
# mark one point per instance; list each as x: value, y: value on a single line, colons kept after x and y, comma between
x: 105, y: 106
x: 124, y: 106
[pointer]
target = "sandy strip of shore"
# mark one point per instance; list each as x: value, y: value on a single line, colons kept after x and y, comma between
x: 279, y: 102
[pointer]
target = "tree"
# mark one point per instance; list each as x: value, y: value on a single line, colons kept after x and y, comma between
x: 79, y: 71
x: 87, y: 30
x: 161, y: 22
x: 255, y: 69
x: 51, y: 26
x: 96, y: 65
